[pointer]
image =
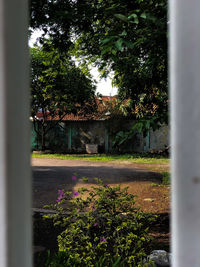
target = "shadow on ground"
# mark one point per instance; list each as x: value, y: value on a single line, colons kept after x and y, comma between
x: 48, y: 179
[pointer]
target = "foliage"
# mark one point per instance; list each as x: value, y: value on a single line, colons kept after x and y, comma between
x: 124, y: 137
x: 61, y: 259
x: 101, y: 222
x: 142, y: 127
x: 166, y: 178
x: 126, y: 37
x: 58, y: 88
x: 130, y: 38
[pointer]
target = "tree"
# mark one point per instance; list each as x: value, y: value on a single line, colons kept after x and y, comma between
x: 127, y: 37
x: 58, y: 88
x: 130, y: 38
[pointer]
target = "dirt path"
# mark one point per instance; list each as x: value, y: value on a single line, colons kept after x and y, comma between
x: 49, y: 175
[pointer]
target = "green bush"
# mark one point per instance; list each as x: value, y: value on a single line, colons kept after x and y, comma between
x: 101, y: 223
x: 61, y: 259
x: 166, y: 178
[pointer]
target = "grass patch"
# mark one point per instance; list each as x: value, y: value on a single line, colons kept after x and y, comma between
x: 135, y: 158
x: 166, y: 178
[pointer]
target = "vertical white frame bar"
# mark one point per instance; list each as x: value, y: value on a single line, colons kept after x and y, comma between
x: 15, y: 178
x: 185, y: 118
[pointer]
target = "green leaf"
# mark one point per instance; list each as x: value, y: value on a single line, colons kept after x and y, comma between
x: 115, y: 264
x: 114, y: 52
x: 105, y: 50
x: 143, y: 15
x: 135, y: 17
x: 121, y: 17
x: 107, y: 40
x: 118, y: 44
x: 128, y: 44
x: 124, y: 33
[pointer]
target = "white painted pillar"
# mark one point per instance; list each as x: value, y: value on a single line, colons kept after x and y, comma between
x: 15, y: 182
x: 185, y: 118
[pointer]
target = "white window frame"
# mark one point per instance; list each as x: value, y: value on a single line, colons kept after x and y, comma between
x: 15, y: 178
x: 184, y: 21
x: 15, y: 175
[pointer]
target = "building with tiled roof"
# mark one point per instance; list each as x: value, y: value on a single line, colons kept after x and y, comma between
x: 75, y: 132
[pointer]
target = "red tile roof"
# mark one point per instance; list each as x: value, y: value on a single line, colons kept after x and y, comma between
x: 107, y: 107
x: 101, y: 114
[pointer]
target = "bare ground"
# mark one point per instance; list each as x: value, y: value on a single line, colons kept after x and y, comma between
x: 49, y: 175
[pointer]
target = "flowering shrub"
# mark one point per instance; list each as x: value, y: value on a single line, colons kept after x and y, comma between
x: 63, y: 259
x: 101, y: 222
x: 60, y: 195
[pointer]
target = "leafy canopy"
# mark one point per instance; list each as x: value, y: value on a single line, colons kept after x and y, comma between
x: 127, y: 37
x: 57, y: 85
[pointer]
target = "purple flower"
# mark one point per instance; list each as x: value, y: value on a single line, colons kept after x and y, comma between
x: 106, y: 185
x: 75, y: 194
x: 74, y: 178
x: 102, y: 239
x: 95, y: 224
x: 61, y: 195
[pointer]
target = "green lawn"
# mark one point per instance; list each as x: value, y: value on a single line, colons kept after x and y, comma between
x: 136, y: 158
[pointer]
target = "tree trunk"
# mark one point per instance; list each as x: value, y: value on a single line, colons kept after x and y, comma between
x: 43, y: 138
